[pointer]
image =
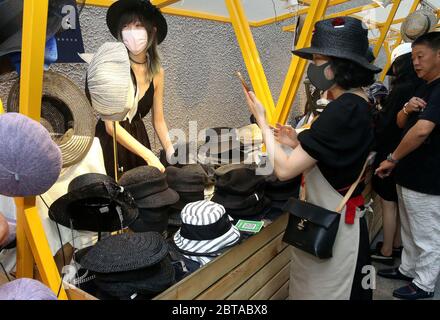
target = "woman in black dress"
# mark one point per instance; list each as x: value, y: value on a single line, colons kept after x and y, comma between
x: 330, y: 155
x: 141, y: 27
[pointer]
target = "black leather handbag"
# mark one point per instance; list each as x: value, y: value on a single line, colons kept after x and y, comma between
x: 312, y: 228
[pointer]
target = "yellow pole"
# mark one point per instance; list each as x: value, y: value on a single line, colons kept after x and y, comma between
x: 250, y: 54
x: 398, y: 41
x: 1, y: 107
x: 108, y: 3
x: 29, y: 226
x: 297, y: 65
x: 386, y: 46
x: 386, y: 27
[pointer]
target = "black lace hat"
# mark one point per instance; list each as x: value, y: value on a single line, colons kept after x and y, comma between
x: 94, y: 202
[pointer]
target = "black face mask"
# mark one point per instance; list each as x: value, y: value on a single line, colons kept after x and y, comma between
x: 317, y: 77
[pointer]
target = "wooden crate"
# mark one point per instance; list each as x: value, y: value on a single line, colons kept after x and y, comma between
x: 242, y: 272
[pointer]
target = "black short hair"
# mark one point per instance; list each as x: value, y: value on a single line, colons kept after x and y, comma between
x: 349, y: 74
x: 431, y: 39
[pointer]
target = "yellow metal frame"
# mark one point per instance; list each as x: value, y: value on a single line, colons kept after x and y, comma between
x: 250, y: 54
x: 386, y: 27
x: 32, y: 244
x: 31, y: 239
x: 297, y: 65
x: 397, y: 42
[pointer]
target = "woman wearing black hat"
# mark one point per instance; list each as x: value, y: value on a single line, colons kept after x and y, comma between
x: 141, y: 27
x: 332, y: 153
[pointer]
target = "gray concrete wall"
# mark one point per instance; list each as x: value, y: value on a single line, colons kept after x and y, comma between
x: 200, y: 58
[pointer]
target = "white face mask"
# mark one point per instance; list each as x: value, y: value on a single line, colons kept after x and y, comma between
x: 136, y: 40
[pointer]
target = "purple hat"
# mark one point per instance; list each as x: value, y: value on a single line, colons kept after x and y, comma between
x: 30, y: 162
x: 26, y: 289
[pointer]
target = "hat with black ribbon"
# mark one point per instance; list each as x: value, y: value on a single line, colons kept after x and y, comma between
x: 206, y: 231
x: 94, y: 202
x: 418, y: 23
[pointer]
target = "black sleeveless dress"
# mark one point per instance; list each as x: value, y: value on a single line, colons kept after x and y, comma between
x: 126, y: 159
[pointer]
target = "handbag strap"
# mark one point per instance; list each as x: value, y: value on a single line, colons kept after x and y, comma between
x: 353, y: 187
x: 349, y: 192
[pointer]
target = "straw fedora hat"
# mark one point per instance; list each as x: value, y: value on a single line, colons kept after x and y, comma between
x: 341, y: 37
x: 65, y: 113
x: 418, y: 23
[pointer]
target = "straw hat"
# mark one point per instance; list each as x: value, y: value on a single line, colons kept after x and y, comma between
x: 341, y: 37
x: 65, y: 113
x: 418, y: 23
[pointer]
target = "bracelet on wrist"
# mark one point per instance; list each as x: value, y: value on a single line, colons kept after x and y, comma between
x: 404, y: 109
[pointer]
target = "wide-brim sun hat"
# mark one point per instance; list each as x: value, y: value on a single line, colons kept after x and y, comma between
x: 417, y: 24
x: 110, y: 82
x: 66, y: 113
x: 96, y: 203
x: 144, y: 8
x: 341, y: 37
x: 30, y: 162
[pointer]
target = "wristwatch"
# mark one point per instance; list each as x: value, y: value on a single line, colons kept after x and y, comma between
x: 390, y: 159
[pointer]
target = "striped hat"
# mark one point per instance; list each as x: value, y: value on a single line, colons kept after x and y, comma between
x: 206, y: 231
x: 110, y: 83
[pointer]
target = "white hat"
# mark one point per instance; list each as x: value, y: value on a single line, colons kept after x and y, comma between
x: 418, y: 23
x: 399, y: 51
x: 206, y: 231
x: 110, y: 83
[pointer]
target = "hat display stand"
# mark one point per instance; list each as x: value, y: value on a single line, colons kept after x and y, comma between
x: 115, y: 151
x: 262, y: 250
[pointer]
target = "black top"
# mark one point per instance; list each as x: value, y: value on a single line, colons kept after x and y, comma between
x: 340, y: 140
x: 388, y: 134
x: 420, y: 170
x: 126, y: 159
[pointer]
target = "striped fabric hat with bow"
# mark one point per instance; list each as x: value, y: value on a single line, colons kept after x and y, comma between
x: 206, y: 231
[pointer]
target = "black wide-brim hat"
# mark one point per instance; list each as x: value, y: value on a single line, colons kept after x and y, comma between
x: 11, y: 22
x: 341, y: 37
x: 96, y: 203
x: 143, y: 7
